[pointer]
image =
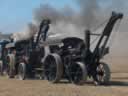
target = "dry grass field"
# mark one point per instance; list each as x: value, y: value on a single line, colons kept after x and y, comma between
x: 118, y: 85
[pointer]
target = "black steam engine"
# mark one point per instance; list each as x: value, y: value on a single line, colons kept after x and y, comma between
x: 75, y: 61
x: 67, y: 58
x: 25, y: 57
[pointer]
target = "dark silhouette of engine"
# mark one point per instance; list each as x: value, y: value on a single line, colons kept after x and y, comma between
x: 67, y: 58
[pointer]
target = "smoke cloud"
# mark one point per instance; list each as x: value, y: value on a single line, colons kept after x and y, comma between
x: 91, y: 14
x: 87, y: 17
x: 25, y: 34
x: 69, y: 22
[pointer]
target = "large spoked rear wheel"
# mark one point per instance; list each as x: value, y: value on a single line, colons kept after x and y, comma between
x: 22, y: 71
x: 53, y: 68
x: 78, y: 73
x: 103, y: 74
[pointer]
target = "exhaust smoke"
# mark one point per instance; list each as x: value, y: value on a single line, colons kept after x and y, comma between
x: 27, y: 33
x: 67, y: 21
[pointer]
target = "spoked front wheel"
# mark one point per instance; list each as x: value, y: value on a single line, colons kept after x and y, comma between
x: 103, y: 74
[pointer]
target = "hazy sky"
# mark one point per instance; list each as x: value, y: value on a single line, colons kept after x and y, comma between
x: 15, y: 14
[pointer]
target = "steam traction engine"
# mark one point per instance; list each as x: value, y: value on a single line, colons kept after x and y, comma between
x: 75, y: 61
x: 66, y: 58
x: 25, y: 56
